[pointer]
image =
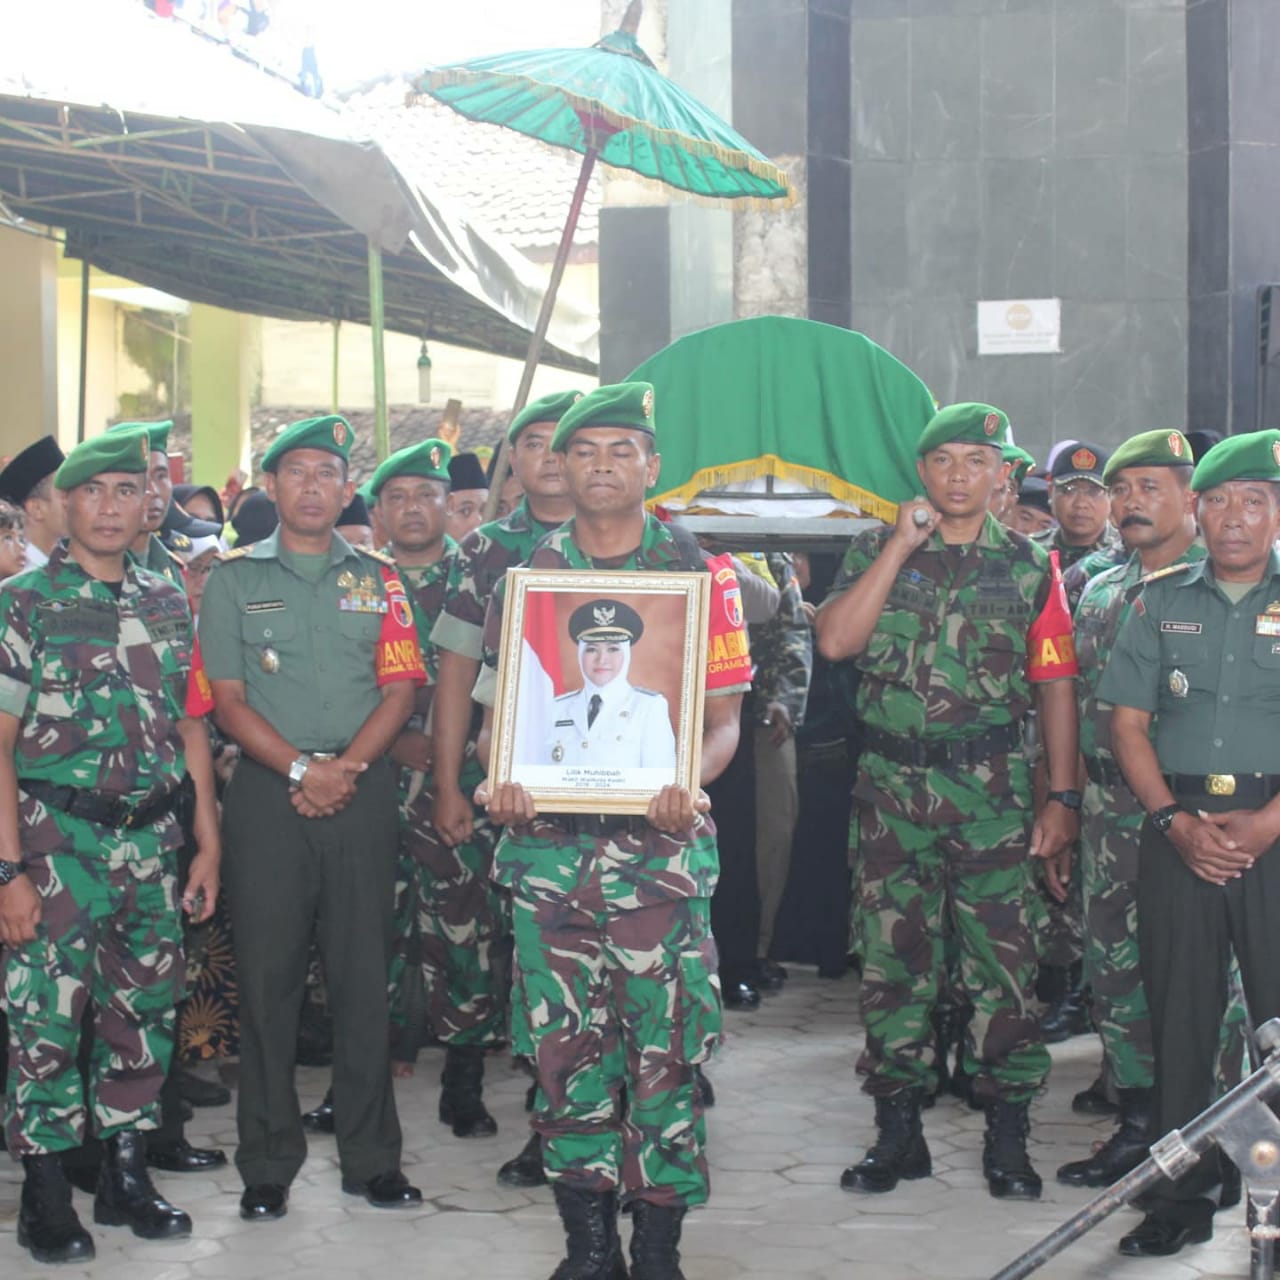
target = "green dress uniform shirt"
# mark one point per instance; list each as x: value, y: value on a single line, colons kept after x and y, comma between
x: 1208, y: 668
x: 304, y: 650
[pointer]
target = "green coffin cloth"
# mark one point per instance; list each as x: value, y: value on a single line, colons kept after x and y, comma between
x: 802, y: 401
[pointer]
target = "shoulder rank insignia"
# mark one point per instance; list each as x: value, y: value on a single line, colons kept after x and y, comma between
x: 234, y: 554
x: 379, y: 556
x: 1168, y: 571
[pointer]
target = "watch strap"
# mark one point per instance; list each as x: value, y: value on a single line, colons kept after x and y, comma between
x: 1068, y: 799
x: 9, y: 871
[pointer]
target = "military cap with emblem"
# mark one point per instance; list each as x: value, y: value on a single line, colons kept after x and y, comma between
x: 1158, y: 448
x: 466, y: 472
x: 125, y: 451
x: 1255, y: 456
x: 1084, y: 461
x: 26, y: 469
x: 1022, y: 461
x: 179, y: 529
x: 603, y: 620
x: 331, y: 434
x: 619, y: 404
x: 965, y: 424
x: 428, y: 460
x: 157, y: 432
x: 545, y: 409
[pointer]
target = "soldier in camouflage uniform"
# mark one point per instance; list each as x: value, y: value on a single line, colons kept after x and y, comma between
x: 614, y: 958
x: 453, y: 920
x: 97, y: 728
x: 1078, y: 500
x: 783, y: 651
x: 953, y: 621
x: 483, y: 558
x: 147, y: 549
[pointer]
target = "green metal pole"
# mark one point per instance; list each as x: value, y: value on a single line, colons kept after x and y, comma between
x: 381, y: 431
x: 333, y: 395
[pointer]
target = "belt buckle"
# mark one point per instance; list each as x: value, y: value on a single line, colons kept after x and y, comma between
x: 1220, y: 784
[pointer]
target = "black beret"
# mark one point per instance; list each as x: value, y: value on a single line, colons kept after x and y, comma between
x: 465, y: 472
x: 28, y: 468
x: 355, y: 512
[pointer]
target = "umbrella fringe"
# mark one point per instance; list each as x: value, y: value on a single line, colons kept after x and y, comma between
x: 731, y: 158
x: 769, y: 464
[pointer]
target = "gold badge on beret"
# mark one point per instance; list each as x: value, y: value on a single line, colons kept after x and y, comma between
x: 1084, y: 459
x: 1275, y: 451
x: 339, y: 433
x: 991, y: 423
x: 434, y: 454
x: 1175, y: 444
x: 1179, y: 685
x: 646, y: 404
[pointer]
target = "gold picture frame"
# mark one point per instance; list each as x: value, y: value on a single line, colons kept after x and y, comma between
x: 580, y: 745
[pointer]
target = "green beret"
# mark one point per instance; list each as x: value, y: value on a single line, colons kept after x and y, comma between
x: 1150, y: 449
x: 965, y: 424
x: 1022, y: 461
x: 128, y: 451
x: 430, y: 460
x: 621, y: 404
x: 1255, y: 456
x: 332, y: 433
x: 158, y: 432
x: 605, y: 620
x: 546, y: 409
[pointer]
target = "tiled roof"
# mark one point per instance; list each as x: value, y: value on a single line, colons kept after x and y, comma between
x: 514, y: 186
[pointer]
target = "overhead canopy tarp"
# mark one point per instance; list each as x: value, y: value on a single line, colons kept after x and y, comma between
x: 774, y: 398
x: 168, y: 160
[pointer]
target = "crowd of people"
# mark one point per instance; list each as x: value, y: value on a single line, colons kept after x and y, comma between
x: 1009, y: 757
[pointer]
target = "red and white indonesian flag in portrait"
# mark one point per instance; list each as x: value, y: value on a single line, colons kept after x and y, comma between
x: 541, y: 676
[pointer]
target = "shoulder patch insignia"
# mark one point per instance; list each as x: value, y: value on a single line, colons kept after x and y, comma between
x: 379, y: 556
x: 1166, y: 572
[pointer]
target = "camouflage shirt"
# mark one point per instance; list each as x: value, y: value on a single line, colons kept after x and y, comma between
x: 99, y: 684
x: 426, y: 585
x: 1068, y: 554
x: 783, y: 646
x: 160, y: 560
x: 484, y: 555
x: 1099, y: 616
x: 1084, y: 571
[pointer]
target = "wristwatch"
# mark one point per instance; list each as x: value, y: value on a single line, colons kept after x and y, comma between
x: 9, y: 872
x: 1067, y: 799
x: 298, y: 770
x: 1162, y: 819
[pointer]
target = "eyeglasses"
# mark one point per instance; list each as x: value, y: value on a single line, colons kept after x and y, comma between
x: 12, y: 538
x: 1076, y: 488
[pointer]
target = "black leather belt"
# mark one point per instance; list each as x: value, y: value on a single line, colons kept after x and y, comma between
x: 1256, y: 788
x: 1104, y: 771
x: 922, y: 754
x: 96, y: 806
x: 600, y: 824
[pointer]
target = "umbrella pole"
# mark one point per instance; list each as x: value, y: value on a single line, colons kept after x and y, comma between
x: 381, y: 432
x: 534, y: 354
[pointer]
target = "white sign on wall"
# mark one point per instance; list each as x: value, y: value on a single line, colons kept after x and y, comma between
x: 1019, y: 326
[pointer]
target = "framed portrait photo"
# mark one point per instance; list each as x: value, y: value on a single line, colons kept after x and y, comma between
x: 600, y: 687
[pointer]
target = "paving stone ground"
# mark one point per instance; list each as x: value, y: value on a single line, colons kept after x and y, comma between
x: 789, y: 1117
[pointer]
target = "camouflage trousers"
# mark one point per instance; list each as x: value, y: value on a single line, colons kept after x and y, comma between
x: 605, y: 999
x: 1059, y: 926
x: 110, y: 932
x: 1110, y: 834
x: 924, y: 889
x: 449, y: 966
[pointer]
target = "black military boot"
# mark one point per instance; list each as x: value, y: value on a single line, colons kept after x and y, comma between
x: 47, y: 1222
x: 1124, y: 1151
x: 1068, y: 1014
x: 126, y: 1196
x: 320, y: 1120
x: 1005, y: 1162
x: 461, y: 1083
x: 525, y: 1170
x: 655, y: 1241
x: 593, y: 1250
x: 899, y: 1151
x: 1096, y: 1099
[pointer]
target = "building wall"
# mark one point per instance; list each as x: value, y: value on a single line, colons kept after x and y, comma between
x: 1026, y: 151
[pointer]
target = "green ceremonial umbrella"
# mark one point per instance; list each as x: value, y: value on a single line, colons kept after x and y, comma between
x: 610, y: 103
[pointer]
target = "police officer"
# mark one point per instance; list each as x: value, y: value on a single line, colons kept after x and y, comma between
x: 592, y: 895
x: 609, y: 722
x: 312, y: 653
x: 484, y: 556
x: 1078, y: 501
x: 953, y: 621
x: 1200, y: 653
x: 95, y: 733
